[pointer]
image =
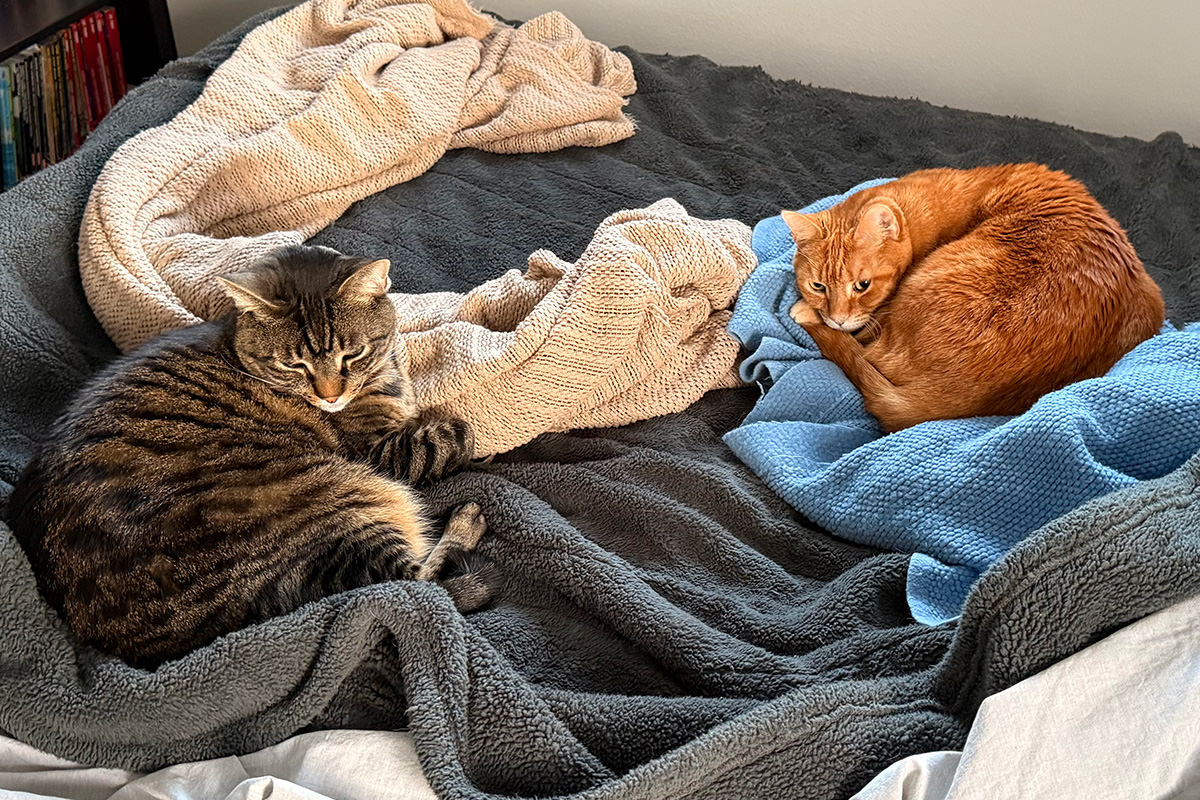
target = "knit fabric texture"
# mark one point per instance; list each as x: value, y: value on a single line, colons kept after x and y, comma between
x: 956, y: 494
x: 635, y: 328
x: 318, y: 108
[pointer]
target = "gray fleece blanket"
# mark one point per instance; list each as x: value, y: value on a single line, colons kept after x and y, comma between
x: 669, y: 627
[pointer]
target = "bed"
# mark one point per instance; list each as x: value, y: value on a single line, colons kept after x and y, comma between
x: 668, y: 627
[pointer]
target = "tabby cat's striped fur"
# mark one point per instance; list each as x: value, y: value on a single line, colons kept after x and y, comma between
x: 232, y: 471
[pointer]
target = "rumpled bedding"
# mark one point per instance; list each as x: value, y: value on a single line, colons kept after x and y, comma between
x: 956, y: 494
x: 669, y: 627
x: 335, y: 100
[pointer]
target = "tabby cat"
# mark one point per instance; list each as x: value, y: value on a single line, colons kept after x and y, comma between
x: 232, y: 471
x: 969, y: 292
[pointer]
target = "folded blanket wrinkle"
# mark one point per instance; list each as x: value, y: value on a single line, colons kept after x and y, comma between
x: 956, y: 494
x: 633, y: 329
x: 317, y: 109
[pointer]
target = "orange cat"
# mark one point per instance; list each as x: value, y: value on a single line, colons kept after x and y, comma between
x: 971, y: 292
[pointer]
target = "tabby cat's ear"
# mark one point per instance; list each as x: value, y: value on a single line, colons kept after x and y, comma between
x: 880, y: 222
x: 804, y: 228
x: 368, y: 282
x: 245, y: 295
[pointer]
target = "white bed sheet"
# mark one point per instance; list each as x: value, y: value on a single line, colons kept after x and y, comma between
x: 1119, y: 720
x: 328, y: 765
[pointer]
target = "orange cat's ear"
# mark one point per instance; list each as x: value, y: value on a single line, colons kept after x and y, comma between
x: 880, y: 222
x: 804, y: 228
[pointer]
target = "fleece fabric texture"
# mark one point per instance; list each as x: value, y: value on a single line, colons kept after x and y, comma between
x: 318, y: 108
x: 669, y: 627
x: 956, y: 494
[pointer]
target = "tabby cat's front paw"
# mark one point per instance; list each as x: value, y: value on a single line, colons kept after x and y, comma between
x: 804, y: 314
x: 440, y: 445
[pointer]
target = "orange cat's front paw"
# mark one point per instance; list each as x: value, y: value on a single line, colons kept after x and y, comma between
x: 804, y: 314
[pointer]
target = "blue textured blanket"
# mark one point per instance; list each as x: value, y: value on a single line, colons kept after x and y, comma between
x: 957, y: 494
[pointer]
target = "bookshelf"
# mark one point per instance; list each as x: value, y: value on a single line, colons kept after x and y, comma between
x: 145, y: 26
x: 63, y: 65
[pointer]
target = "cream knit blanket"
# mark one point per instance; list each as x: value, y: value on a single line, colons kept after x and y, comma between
x: 318, y: 108
x: 634, y: 329
x: 338, y: 99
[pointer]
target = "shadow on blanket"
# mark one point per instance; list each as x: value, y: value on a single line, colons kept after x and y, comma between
x: 670, y: 628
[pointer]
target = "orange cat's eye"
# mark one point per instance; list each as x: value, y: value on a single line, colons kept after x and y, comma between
x: 817, y: 287
x: 862, y: 286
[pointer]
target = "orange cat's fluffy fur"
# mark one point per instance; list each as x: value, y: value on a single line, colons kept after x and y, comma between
x: 970, y: 292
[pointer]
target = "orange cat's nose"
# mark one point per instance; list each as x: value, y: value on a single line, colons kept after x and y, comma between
x: 332, y: 399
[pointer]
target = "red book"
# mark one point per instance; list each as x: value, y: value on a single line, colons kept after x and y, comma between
x: 97, y: 73
x: 116, y: 59
x: 66, y: 67
x: 82, y: 98
x: 79, y: 34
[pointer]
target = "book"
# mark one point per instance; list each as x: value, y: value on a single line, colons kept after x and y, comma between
x: 37, y: 119
x: 46, y: 72
x: 63, y: 70
x: 116, y: 57
x: 79, y: 31
x: 8, y: 149
x: 99, y: 67
x: 28, y: 109
x: 19, y: 102
x: 70, y: 131
x: 58, y: 98
x: 17, y: 123
x: 79, y: 129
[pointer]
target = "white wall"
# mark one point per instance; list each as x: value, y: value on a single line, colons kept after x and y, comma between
x: 1130, y: 68
x: 198, y: 22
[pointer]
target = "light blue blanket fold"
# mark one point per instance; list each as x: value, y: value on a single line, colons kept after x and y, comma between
x: 957, y: 494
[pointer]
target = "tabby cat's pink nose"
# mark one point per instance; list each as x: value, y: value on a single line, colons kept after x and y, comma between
x: 333, y: 399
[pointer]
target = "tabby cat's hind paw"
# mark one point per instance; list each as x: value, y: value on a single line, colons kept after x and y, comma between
x: 459, y: 538
x: 476, y: 586
x: 467, y: 525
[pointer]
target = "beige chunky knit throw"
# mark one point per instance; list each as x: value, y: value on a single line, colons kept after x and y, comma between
x: 634, y: 329
x: 329, y: 103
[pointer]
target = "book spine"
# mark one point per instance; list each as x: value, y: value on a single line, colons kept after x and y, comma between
x: 92, y: 70
x: 32, y: 113
x: 48, y: 103
x: 68, y: 72
x: 14, y: 80
x: 62, y: 118
x: 116, y: 54
x: 20, y: 114
x: 86, y: 123
x: 8, y: 150
x: 36, y: 88
x: 103, y: 86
